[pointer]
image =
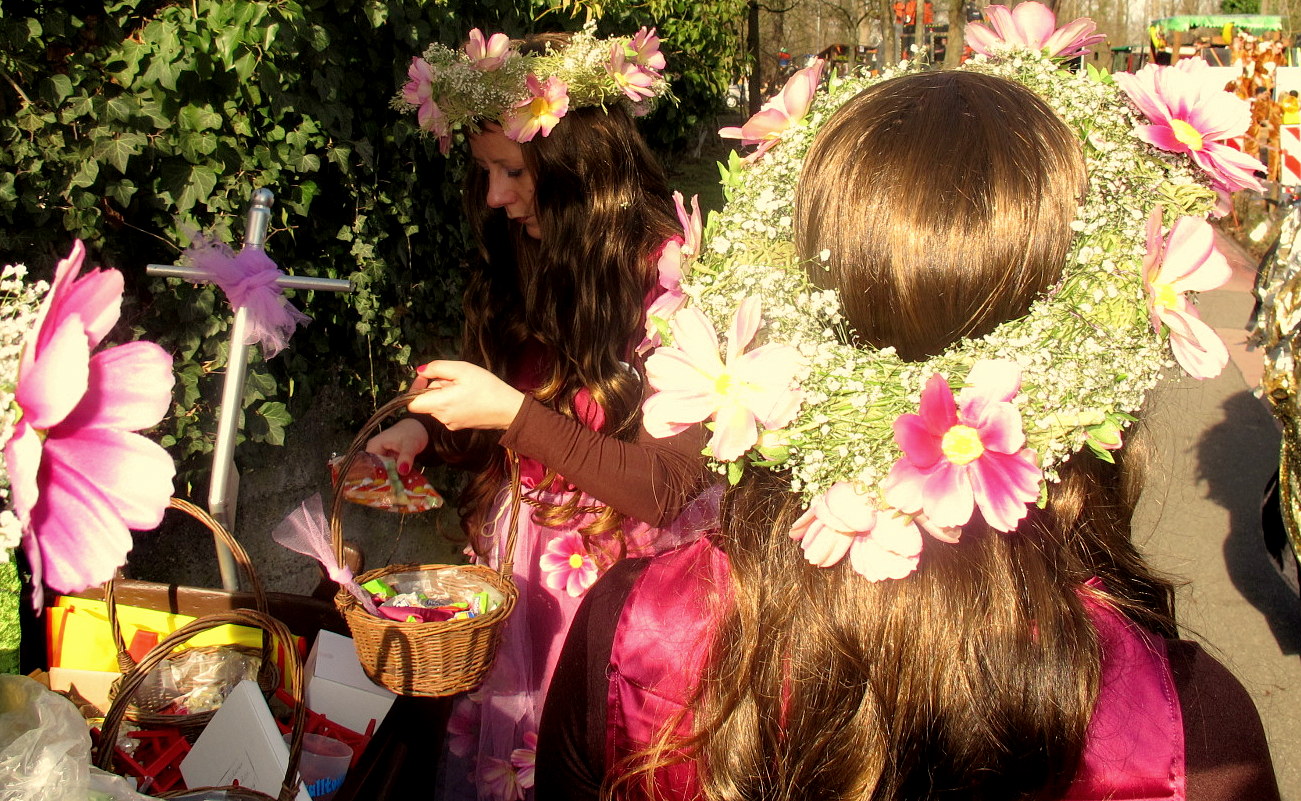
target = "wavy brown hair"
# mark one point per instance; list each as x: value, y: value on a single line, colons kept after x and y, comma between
x: 603, y: 207
x: 946, y: 200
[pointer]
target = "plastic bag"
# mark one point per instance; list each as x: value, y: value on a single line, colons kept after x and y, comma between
x: 45, y: 749
x: 374, y: 481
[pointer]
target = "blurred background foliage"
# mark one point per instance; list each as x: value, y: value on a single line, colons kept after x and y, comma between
x: 135, y: 124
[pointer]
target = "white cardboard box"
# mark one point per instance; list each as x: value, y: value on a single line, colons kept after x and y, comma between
x: 240, y: 744
x: 339, y: 689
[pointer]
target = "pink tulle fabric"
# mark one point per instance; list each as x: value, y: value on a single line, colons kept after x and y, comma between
x: 249, y: 280
x: 306, y: 530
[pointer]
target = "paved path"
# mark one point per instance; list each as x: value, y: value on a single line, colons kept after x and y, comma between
x: 1215, y: 444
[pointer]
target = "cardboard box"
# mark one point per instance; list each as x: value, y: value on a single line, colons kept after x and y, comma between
x: 240, y: 744
x: 339, y: 689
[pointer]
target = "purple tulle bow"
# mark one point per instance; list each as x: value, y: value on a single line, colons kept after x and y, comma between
x: 307, y: 531
x: 249, y: 280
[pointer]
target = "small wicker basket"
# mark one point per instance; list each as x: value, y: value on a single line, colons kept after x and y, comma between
x: 428, y: 658
x: 148, y: 699
x: 117, y: 711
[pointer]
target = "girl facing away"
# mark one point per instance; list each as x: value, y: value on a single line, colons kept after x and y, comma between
x: 924, y: 584
x: 573, y: 217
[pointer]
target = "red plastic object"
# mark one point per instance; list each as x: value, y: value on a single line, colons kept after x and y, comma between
x: 320, y: 724
x: 156, y: 763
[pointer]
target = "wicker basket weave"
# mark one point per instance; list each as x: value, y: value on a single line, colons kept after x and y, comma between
x: 143, y: 706
x: 117, y: 711
x: 428, y: 658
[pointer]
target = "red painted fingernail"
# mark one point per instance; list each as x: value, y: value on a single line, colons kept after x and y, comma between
x: 421, y: 367
x: 403, y: 468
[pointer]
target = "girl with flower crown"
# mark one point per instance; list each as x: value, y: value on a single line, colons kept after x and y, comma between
x: 920, y: 624
x: 575, y: 224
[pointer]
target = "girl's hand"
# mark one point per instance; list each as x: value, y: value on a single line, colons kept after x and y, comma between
x: 402, y: 442
x: 464, y: 395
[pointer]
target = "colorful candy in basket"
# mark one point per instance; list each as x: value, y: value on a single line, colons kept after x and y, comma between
x: 432, y: 595
x: 374, y: 481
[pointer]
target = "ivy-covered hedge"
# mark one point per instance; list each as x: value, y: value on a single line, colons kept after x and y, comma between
x: 133, y: 124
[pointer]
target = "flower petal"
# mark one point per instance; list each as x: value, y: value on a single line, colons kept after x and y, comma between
x: 131, y: 472
x: 52, y: 383
x: 81, y: 537
x: 130, y: 388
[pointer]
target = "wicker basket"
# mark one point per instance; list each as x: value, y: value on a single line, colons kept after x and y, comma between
x: 117, y: 711
x: 429, y: 658
x: 146, y: 700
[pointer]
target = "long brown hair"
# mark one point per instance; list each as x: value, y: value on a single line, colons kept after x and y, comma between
x: 603, y: 207
x: 976, y: 676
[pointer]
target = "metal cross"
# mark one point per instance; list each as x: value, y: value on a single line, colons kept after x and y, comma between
x: 223, y: 490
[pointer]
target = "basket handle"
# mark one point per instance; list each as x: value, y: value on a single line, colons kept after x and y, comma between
x: 359, y: 445
x: 124, y: 660
x: 103, y: 751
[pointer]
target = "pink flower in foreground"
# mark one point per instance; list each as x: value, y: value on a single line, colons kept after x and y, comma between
x: 956, y: 455
x: 1189, y: 113
x: 644, y: 49
x: 1033, y: 25
x: 674, y: 261
x: 80, y: 479
x: 881, y: 544
x: 419, y: 92
x: 780, y: 113
x: 524, y: 760
x: 567, y: 564
x: 632, y: 79
x: 501, y: 779
x: 490, y: 55
x: 540, y: 112
x: 694, y: 384
x: 1186, y: 262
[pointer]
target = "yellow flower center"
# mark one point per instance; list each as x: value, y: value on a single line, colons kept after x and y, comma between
x: 723, y: 384
x: 1164, y: 296
x: 961, y: 444
x: 539, y: 107
x: 575, y: 560
x: 1187, y: 134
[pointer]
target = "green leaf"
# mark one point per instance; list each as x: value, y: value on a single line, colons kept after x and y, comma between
x: 55, y: 89
x: 188, y: 184
x: 199, y: 118
x: 86, y: 175
x: 277, y: 417
x: 121, y: 190
x: 118, y: 150
x: 162, y: 71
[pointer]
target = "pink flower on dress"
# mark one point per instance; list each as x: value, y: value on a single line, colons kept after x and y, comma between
x: 633, y: 80
x: 673, y: 265
x: 419, y: 92
x: 567, y: 564
x: 693, y: 384
x: 1189, y: 113
x: 490, y: 55
x: 1186, y: 262
x: 644, y: 49
x: 501, y: 779
x: 1033, y: 25
x: 463, y: 727
x: 881, y: 543
x: 956, y: 455
x: 780, y: 113
x: 540, y: 112
x: 80, y: 478
x: 524, y: 760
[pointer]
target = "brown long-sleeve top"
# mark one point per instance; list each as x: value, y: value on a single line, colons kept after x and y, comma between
x: 650, y: 479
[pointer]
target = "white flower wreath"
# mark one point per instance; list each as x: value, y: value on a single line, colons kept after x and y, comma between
x: 1030, y: 394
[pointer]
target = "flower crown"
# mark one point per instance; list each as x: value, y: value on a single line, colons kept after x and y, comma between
x: 455, y: 91
x: 883, y: 450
